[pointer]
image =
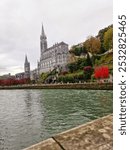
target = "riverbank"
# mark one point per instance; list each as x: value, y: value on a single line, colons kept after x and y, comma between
x: 95, y: 135
x: 89, y: 86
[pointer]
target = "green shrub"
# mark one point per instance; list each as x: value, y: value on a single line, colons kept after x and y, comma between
x: 75, y: 77
x: 43, y: 77
x: 65, y: 79
x: 77, y: 50
x: 72, y: 67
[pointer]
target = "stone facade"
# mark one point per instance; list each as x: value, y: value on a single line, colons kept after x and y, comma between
x: 52, y: 57
x: 34, y: 75
x: 19, y: 76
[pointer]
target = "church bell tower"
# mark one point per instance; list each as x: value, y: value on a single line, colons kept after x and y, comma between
x: 26, y: 68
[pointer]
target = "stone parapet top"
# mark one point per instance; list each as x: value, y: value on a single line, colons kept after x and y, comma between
x: 95, y: 135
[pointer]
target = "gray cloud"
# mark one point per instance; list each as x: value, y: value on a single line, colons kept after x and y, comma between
x: 64, y: 20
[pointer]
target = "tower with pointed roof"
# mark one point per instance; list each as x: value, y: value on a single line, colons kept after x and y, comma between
x: 26, y: 68
x: 43, y: 41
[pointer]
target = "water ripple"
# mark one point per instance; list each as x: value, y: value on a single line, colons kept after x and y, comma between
x: 29, y: 116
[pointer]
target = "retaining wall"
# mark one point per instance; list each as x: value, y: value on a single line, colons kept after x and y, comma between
x: 91, y: 86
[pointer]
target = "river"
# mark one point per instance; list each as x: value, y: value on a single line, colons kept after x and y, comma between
x: 30, y: 116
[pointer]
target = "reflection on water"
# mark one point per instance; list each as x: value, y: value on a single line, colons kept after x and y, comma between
x: 29, y: 116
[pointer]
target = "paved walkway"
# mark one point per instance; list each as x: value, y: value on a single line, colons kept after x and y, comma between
x: 95, y: 135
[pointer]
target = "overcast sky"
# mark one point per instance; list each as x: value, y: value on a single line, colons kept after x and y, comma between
x: 71, y: 21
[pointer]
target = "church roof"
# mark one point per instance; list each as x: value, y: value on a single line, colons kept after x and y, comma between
x: 57, y: 45
x: 63, y: 43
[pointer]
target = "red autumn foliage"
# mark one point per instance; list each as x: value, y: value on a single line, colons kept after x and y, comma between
x: 9, y: 82
x: 101, y: 72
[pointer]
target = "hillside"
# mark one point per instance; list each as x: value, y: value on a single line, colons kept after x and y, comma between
x: 89, y: 60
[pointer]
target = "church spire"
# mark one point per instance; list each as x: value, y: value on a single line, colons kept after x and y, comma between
x: 26, y: 68
x: 43, y: 41
x: 43, y: 33
x: 26, y: 59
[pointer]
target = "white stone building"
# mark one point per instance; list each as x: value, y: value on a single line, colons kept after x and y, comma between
x: 52, y: 57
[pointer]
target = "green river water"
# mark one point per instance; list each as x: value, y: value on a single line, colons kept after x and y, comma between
x: 30, y: 116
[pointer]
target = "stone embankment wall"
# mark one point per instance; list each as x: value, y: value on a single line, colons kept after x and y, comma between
x: 96, y: 135
x: 91, y: 86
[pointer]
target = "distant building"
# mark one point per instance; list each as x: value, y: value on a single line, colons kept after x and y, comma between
x: 26, y: 73
x: 19, y: 76
x: 26, y: 68
x: 7, y: 76
x: 52, y: 57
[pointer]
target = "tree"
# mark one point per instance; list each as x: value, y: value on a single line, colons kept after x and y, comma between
x: 9, y: 82
x: 89, y: 61
x: 72, y: 67
x: 101, y: 72
x: 87, y: 72
x: 108, y: 39
x: 92, y: 44
x: 77, y: 50
x: 101, y: 37
x: 82, y: 62
x: 43, y: 76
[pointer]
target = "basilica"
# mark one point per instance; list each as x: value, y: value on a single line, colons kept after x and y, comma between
x: 52, y: 57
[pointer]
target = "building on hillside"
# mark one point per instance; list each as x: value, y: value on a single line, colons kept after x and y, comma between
x: 52, y: 57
